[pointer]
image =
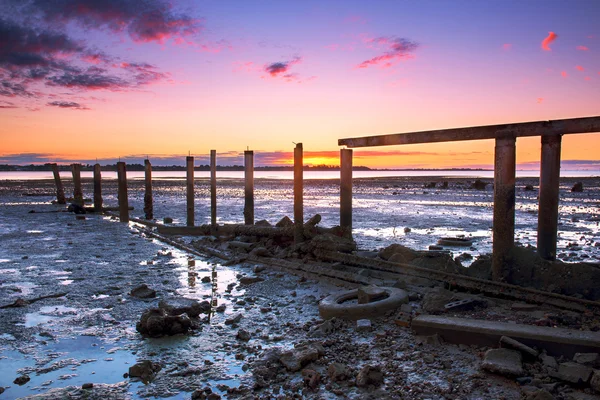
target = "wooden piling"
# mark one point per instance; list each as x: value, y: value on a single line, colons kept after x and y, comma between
x: 122, y: 194
x: 504, y: 205
x: 77, y: 190
x: 148, y: 200
x: 548, y: 203
x: 298, y: 194
x: 346, y: 191
x: 190, y: 190
x: 97, y: 188
x: 213, y: 188
x: 249, y: 187
x: 60, y: 191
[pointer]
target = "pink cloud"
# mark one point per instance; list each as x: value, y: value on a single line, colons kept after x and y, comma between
x: 540, y: 100
x: 579, y: 68
x: 355, y: 19
x: 549, y: 39
x: 395, y: 49
x: 564, y: 74
x: 582, y: 48
x: 282, y: 68
x: 507, y: 46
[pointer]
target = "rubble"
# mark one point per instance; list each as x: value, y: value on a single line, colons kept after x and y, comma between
x: 503, y: 362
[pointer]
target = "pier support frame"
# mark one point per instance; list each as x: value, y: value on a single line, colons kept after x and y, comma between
x: 190, y: 190
x: 60, y: 191
x: 148, y: 199
x: 77, y: 190
x: 548, y: 204
x: 298, y: 194
x: 97, y: 188
x: 504, y: 204
x: 249, y: 187
x: 122, y: 194
x: 346, y: 191
x: 213, y: 188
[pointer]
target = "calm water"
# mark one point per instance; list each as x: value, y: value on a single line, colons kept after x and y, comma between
x: 35, y: 175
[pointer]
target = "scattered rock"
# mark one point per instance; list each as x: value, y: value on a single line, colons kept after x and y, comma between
x: 595, y: 381
x: 549, y: 361
x: 243, y: 335
x: 262, y: 222
x: 284, y: 222
x: 206, y: 279
x: 478, y: 185
x: 248, y: 280
x: 323, y: 329
x: 295, y: 359
x: 436, y: 299
x: 87, y: 386
x: 363, y: 325
x: 143, y: 292
x: 156, y: 322
x: 539, y: 394
x: 589, y: 359
x: 528, y: 188
x: 146, y: 370
x: 368, y: 294
x: 369, y: 375
x: 577, y: 187
x: 167, y: 220
x: 21, y: 380
x: 406, y: 254
x: 573, y: 372
x: 338, y: 372
x: 311, y: 378
x: 503, y: 362
x: 261, y: 252
x: 234, y: 319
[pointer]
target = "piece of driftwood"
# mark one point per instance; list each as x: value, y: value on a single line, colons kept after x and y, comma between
x: 23, y: 302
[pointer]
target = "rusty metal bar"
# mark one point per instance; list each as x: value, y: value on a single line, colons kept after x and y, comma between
x: 60, y: 191
x: 97, y: 188
x: 346, y: 191
x: 538, y: 128
x: 249, y: 187
x: 122, y: 194
x: 548, y: 203
x: 504, y: 204
x: 298, y: 194
x: 148, y: 199
x: 77, y: 190
x: 213, y: 188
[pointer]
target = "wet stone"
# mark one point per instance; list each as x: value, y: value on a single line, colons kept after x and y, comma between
x: 369, y: 375
x: 234, y: 319
x: 143, y: 292
x: 363, y: 325
x: 21, y: 380
x: 243, y: 335
x: 146, y: 370
x: 338, y: 372
x: 311, y: 378
x: 248, y: 280
x: 503, y: 362
x: 295, y: 359
x: 87, y: 386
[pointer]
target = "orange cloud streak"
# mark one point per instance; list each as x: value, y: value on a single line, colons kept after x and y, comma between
x: 549, y: 39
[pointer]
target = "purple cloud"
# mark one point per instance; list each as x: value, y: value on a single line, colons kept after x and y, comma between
x: 67, y: 104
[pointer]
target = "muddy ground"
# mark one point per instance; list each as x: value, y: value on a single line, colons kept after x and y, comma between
x: 85, y: 331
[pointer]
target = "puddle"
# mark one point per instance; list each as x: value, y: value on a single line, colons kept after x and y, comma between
x: 66, y: 282
x: 25, y: 288
x: 48, y: 314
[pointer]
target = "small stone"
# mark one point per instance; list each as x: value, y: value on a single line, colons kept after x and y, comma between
x: 248, y: 280
x: 503, y: 362
x: 363, y: 325
x: 233, y: 320
x: 221, y: 308
x: 206, y: 279
x: 338, y: 372
x: 21, y: 380
x: 87, y: 386
x: 549, y: 361
x: 589, y: 359
x: 146, y: 370
x: 369, y: 375
x: 539, y: 394
x: 143, y: 292
x: 167, y: 220
x: 595, y: 381
x: 295, y: 359
x: 243, y: 335
x: 406, y: 308
x: 311, y: 378
x: 577, y: 187
x: 368, y: 294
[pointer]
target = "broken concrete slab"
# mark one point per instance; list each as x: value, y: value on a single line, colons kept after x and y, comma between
x: 595, y: 381
x: 589, y: 359
x: 573, y: 372
x: 363, y: 325
x: 503, y: 361
x: 556, y: 341
x: 370, y: 293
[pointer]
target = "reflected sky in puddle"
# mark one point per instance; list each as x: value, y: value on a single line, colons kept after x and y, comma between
x: 47, y: 314
x: 26, y: 288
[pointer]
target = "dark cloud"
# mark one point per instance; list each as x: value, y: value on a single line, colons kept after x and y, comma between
x: 395, y: 49
x: 281, y: 68
x: 7, y: 104
x: 67, y: 104
x: 143, y: 20
x: 10, y: 89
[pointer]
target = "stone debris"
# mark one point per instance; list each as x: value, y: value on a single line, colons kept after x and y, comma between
x: 589, y: 359
x: 338, y: 372
x: 573, y: 372
x: 233, y: 319
x: 21, y: 380
x: 363, y: 325
x: 300, y: 356
x: 248, y: 280
x: 311, y: 378
x: 143, y: 292
x: 243, y: 335
x: 369, y: 375
x: 595, y: 381
x: 369, y: 294
x: 503, y: 362
x: 146, y: 370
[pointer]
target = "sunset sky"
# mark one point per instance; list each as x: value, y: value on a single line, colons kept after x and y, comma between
x: 82, y: 80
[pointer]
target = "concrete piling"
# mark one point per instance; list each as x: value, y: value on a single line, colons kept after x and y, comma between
x: 77, y: 190
x: 97, y: 188
x: 148, y: 200
x: 249, y: 187
x: 190, y: 190
x: 213, y: 188
x: 122, y: 194
x: 298, y: 194
x: 346, y: 191
x: 549, y: 192
x: 504, y: 204
x: 60, y: 191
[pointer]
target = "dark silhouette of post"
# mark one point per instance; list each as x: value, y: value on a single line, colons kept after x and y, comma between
x: 504, y: 205
x: 298, y: 194
x: 97, y: 188
x: 77, y: 191
x: 122, y: 194
x: 249, y: 187
x: 548, y: 204
x: 190, y: 190
x: 346, y: 191
x: 60, y: 191
x: 148, y: 201
x: 213, y: 188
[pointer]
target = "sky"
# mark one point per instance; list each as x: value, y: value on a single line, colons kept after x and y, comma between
x: 87, y: 80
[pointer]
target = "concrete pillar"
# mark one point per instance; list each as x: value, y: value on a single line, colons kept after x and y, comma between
x: 122, y: 195
x: 298, y: 194
x: 77, y: 190
x: 190, y: 190
x: 97, y: 188
x: 249, y: 187
x: 213, y: 188
x: 504, y: 205
x: 548, y: 206
x: 148, y: 199
x: 346, y: 191
x: 60, y: 191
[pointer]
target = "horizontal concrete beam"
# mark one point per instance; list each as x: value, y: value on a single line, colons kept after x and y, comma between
x: 538, y: 128
x: 556, y: 341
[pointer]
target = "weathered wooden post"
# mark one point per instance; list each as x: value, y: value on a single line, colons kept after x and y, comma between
x: 548, y: 203
x: 77, y: 191
x: 148, y: 200
x: 213, y: 188
x: 346, y: 191
x: 122, y: 194
x: 190, y: 190
x: 504, y: 204
x: 249, y: 187
x: 298, y: 194
x: 97, y: 188
x: 60, y: 191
